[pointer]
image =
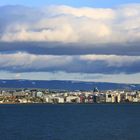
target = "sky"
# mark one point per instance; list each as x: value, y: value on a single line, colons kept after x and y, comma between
x: 75, y: 3
x: 84, y: 40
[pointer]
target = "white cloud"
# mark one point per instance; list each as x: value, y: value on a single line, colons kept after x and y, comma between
x: 25, y: 60
x: 94, y: 13
x: 78, y: 25
x: 18, y: 76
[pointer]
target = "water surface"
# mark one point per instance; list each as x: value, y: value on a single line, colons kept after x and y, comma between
x: 70, y: 122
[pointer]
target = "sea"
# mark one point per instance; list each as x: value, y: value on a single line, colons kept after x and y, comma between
x: 70, y: 122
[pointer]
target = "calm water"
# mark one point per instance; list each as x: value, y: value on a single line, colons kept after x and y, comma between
x: 70, y: 122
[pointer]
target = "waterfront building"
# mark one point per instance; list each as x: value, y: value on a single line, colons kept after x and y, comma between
x: 39, y: 94
x: 60, y: 99
x: 108, y: 98
x: 73, y: 99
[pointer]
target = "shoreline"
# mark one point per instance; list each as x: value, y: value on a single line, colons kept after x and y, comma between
x: 69, y: 103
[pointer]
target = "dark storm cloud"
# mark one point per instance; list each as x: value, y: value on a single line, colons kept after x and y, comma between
x: 105, y: 64
x: 56, y: 48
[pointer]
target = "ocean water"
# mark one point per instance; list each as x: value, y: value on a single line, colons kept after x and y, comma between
x: 70, y: 122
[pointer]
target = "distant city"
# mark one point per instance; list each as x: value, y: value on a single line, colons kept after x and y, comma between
x: 23, y: 96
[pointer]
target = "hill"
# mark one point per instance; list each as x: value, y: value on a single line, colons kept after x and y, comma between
x: 65, y: 85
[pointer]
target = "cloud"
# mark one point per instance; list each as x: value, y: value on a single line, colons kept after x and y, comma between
x: 112, y: 60
x: 18, y: 76
x: 85, y: 28
x: 67, y: 39
x: 93, y: 13
x: 104, y: 64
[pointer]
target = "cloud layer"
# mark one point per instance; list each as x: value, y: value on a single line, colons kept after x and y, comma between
x: 106, y: 64
x: 91, y: 27
x: 69, y: 39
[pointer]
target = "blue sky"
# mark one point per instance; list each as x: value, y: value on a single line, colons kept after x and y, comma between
x: 91, y: 40
x: 77, y: 3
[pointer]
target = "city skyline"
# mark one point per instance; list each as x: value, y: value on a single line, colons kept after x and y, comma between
x: 85, y: 40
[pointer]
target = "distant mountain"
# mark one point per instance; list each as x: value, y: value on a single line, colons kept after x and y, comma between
x: 65, y: 85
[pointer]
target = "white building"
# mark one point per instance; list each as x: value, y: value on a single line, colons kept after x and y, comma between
x: 118, y: 98
x: 71, y: 99
x: 24, y: 101
x: 110, y: 98
x: 48, y: 99
x: 60, y: 100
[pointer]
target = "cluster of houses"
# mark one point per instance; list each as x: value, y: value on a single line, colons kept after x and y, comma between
x: 46, y: 96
